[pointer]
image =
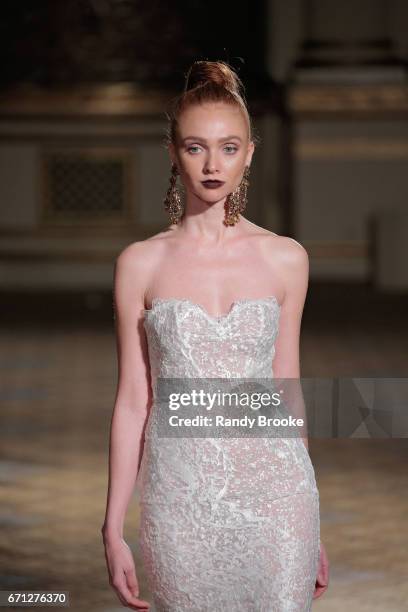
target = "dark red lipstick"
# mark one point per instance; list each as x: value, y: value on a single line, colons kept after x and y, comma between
x: 212, y: 184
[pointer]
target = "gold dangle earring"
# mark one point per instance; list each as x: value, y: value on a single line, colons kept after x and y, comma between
x: 236, y: 201
x: 172, y: 202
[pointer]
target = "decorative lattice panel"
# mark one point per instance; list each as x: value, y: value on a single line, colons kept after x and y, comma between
x: 86, y: 185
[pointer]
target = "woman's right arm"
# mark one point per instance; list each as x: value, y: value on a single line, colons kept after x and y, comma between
x: 130, y: 412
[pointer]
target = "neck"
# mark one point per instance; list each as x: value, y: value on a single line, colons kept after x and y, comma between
x: 204, y: 221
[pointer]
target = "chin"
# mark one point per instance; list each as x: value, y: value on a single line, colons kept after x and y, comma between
x: 213, y: 197
x: 214, y: 200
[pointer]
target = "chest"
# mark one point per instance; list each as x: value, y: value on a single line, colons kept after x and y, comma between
x: 206, y: 279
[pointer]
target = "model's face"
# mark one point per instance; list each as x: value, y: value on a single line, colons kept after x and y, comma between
x: 212, y: 144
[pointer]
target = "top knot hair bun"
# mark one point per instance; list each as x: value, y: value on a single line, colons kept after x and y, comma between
x: 208, y: 82
x: 203, y: 73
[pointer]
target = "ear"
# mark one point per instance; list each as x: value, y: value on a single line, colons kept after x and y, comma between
x: 251, y: 149
x: 172, y: 153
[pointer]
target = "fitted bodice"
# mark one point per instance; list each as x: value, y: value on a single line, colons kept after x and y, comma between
x: 184, y: 340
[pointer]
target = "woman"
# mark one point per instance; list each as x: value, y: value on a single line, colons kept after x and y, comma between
x: 226, y: 524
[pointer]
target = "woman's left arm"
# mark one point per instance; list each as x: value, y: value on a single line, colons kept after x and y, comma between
x: 294, y: 265
x: 286, y: 365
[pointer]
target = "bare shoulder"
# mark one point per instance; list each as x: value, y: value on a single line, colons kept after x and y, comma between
x: 289, y: 259
x: 134, y: 267
x: 143, y: 254
x: 282, y: 249
x: 292, y: 253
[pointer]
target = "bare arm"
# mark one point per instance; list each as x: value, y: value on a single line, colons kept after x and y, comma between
x: 295, y: 270
x: 133, y: 394
x: 286, y: 364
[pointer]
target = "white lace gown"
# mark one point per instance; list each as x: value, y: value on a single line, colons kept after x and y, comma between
x: 227, y: 524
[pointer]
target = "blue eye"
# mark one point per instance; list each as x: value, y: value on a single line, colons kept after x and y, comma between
x: 230, y: 148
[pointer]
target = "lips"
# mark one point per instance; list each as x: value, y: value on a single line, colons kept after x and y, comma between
x: 212, y: 184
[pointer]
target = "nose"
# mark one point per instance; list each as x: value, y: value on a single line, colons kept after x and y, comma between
x: 210, y: 165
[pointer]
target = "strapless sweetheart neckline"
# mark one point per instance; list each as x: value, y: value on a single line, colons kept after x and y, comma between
x: 156, y: 301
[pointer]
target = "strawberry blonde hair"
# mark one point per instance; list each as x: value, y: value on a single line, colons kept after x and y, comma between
x: 208, y: 82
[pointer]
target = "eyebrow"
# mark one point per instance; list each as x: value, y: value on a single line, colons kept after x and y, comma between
x: 198, y: 139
